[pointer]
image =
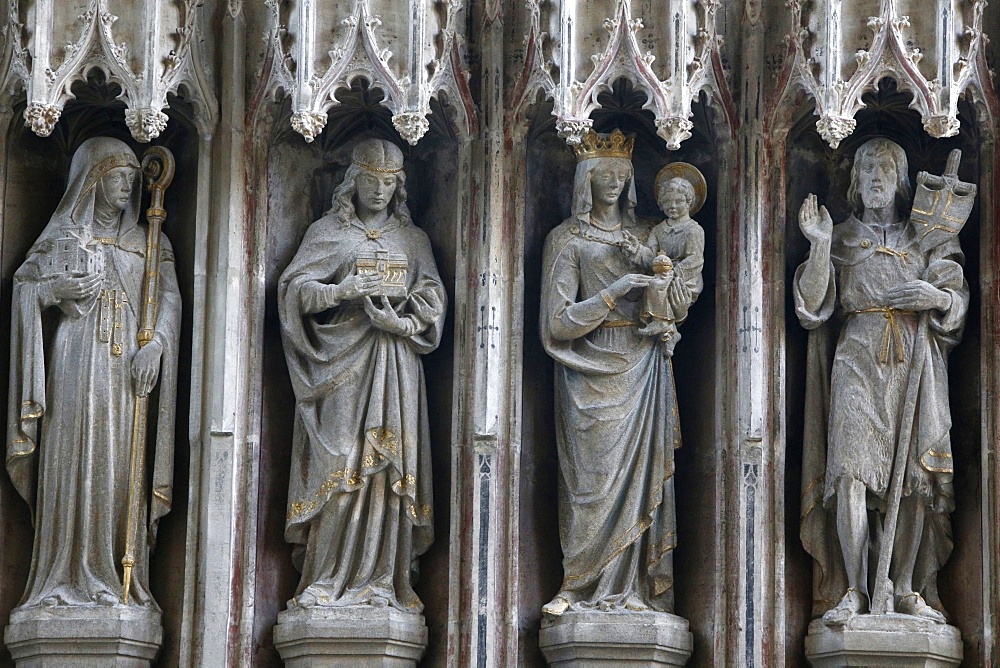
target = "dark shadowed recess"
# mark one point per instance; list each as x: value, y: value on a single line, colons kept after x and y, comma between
x: 36, y: 179
x: 813, y: 167
x: 301, y: 178
x: 550, y: 170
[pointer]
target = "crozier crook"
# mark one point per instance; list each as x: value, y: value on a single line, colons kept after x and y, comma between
x: 158, y: 170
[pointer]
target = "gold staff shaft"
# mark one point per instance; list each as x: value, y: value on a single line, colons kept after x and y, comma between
x: 158, y: 169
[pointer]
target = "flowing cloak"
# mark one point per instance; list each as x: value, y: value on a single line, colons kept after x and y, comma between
x: 360, y: 482
x: 69, y: 426
x: 856, y: 385
x: 616, y: 429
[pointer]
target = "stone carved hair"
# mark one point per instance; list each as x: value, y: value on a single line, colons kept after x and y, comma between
x: 583, y: 197
x: 677, y: 183
x: 342, y: 208
x: 881, y: 148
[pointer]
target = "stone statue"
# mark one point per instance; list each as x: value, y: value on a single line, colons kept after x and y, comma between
x: 616, y: 406
x: 885, y: 297
x: 70, y: 411
x: 675, y: 251
x: 360, y: 303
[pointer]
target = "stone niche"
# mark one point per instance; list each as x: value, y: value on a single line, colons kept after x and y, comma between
x: 813, y: 167
x: 36, y: 170
x: 550, y: 169
x: 300, y: 180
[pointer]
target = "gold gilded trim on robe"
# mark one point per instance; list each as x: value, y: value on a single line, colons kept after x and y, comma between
x: 629, y: 536
x: 383, y: 438
x: 937, y: 462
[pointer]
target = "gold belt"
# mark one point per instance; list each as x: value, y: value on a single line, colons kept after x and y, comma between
x: 892, y: 335
x: 619, y: 323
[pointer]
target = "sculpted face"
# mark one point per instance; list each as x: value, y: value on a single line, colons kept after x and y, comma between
x: 608, y: 180
x: 115, y: 188
x: 877, y: 181
x: 674, y: 202
x: 374, y: 190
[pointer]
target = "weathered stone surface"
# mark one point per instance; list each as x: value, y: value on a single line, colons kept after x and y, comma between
x: 606, y: 639
x: 356, y: 636
x: 84, y: 637
x: 884, y: 640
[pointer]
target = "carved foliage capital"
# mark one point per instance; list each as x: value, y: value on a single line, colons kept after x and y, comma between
x: 145, y: 124
x: 42, y: 118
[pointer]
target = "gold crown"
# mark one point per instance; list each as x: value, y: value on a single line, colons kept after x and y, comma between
x: 614, y: 145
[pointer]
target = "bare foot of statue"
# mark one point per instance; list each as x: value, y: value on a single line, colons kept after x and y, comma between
x: 635, y: 604
x: 556, y: 606
x: 853, y: 603
x: 106, y: 598
x: 304, y: 600
x: 914, y: 604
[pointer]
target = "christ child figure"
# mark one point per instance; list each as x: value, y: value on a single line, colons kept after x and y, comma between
x: 675, y: 252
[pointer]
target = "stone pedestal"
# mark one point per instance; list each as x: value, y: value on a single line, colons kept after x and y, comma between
x: 362, y: 636
x: 84, y: 637
x: 607, y: 639
x: 884, y: 640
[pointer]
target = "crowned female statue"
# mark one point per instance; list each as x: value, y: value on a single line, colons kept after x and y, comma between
x: 616, y: 406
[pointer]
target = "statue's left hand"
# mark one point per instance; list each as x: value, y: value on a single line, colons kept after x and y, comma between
x: 387, y: 320
x: 917, y: 295
x: 146, y: 367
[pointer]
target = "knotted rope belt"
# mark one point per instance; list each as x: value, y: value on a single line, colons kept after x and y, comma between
x: 892, y: 337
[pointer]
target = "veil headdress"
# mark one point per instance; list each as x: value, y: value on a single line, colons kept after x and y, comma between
x: 95, y: 158
x: 26, y: 394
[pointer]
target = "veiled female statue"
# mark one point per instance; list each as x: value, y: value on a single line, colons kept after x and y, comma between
x: 360, y: 303
x: 616, y: 406
x: 70, y: 411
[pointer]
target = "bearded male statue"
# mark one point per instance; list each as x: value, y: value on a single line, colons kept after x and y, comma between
x: 884, y: 308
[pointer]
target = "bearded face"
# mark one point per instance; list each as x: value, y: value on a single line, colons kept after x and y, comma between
x: 877, y: 181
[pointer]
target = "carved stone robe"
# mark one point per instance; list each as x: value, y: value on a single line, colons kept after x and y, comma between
x: 856, y: 387
x: 616, y: 428
x: 70, y: 412
x: 359, y: 503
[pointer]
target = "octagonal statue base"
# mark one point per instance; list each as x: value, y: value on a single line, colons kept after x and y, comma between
x: 605, y: 639
x: 884, y: 640
x: 362, y: 636
x: 89, y: 636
